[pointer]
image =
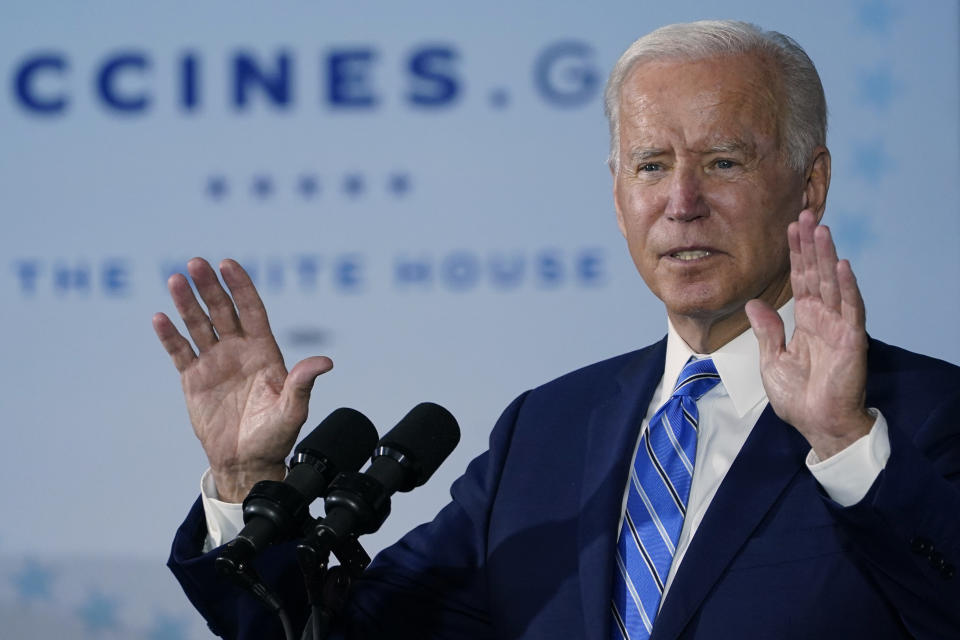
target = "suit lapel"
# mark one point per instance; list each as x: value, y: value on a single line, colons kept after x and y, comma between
x: 769, y: 459
x: 611, y: 436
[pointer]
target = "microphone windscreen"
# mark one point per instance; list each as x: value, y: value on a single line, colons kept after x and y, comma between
x: 345, y: 438
x: 426, y: 435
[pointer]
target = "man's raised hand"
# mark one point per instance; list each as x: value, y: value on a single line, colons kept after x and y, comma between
x: 245, y: 407
x: 817, y: 381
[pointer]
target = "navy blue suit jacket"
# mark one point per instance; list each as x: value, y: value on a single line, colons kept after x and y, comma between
x: 525, y: 548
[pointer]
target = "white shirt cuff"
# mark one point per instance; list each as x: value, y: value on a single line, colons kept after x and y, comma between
x: 224, y: 519
x: 848, y: 475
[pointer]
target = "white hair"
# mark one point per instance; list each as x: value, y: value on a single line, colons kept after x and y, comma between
x: 804, y: 117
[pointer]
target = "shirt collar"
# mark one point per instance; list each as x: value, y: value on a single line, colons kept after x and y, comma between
x: 737, y: 362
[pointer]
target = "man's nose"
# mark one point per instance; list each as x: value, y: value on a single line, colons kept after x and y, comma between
x: 685, y: 200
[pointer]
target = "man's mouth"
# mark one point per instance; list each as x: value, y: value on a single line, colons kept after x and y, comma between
x: 690, y: 254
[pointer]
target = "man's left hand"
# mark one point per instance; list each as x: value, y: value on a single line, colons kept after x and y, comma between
x: 817, y: 381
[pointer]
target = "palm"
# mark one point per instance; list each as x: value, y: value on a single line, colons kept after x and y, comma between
x: 816, y: 381
x: 244, y: 406
x: 818, y: 370
x: 233, y: 397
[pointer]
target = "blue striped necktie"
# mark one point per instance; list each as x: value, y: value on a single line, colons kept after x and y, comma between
x: 657, y: 503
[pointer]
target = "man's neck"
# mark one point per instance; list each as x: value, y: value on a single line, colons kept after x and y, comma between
x: 706, y: 336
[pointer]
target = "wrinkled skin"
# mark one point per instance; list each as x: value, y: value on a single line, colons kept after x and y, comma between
x: 245, y: 407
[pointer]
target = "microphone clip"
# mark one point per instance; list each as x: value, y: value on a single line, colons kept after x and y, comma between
x: 363, y: 497
x: 281, y: 504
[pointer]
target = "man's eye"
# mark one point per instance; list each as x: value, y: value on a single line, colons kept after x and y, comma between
x: 649, y: 167
x: 724, y: 164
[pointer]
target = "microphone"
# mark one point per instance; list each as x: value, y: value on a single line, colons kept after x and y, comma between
x: 276, y: 510
x: 405, y: 458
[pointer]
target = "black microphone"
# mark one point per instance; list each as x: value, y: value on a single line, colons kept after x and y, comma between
x: 405, y: 458
x: 276, y: 510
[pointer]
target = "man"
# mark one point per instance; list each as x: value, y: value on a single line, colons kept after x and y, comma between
x: 819, y: 497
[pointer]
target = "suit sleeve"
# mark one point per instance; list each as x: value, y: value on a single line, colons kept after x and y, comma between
x: 231, y: 612
x: 906, y: 530
x: 429, y: 584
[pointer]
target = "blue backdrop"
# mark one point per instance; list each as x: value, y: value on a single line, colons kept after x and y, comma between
x: 420, y: 190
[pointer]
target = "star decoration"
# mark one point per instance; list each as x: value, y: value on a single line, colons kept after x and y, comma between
x: 308, y: 186
x: 262, y: 186
x: 167, y: 627
x: 98, y: 612
x: 499, y: 98
x: 853, y: 233
x: 33, y: 582
x: 353, y: 185
x: 877, y: 88
x: 399, y: 183
x: 216, y: 187
x: 876, y: 15
x: 871, y: 161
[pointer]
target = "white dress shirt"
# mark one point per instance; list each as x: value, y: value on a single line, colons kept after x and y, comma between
x: 727, y: 414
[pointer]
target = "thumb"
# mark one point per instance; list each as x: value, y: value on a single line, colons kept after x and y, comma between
x: 295, y: 394
x: 768, y: 327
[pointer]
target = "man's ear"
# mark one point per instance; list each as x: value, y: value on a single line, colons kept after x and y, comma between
x: 817, y: 182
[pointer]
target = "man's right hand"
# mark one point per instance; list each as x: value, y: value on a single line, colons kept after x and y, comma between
x: 245, y: 407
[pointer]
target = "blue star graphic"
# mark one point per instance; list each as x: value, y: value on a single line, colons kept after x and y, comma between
x: 353, y: 185
x: 399, y: 184
x: 262, y: 186
x: 499, y: 98
x: 98, y: 612
x: 877, y: 87
x: 853, y: 233
x: 167, y: 627
x: 876, y: 15
x: 308, y: 186
x: 33, y: 581
x: 216, y: 187
x: 871, y: 161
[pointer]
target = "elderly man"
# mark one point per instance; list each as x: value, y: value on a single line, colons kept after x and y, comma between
x: 796, y: 480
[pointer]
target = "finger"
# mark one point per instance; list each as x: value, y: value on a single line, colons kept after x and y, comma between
x: 811, y: 277
x: 252, y: 314
x: 768, y: 327
x: 797, y: 282
x: 194, y: 317
x: 295, y: 395
x: 827, y: 267
x: 176, y: 345
x: 219, y: 305
x: 851, y: 306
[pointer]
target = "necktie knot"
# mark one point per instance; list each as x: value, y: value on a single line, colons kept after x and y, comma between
x: 697, y: 377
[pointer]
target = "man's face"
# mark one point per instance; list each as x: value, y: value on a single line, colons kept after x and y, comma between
x: 703, y: 195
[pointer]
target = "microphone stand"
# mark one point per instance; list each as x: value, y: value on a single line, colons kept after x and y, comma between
x: 328, y: 587
x: 356, y: 504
